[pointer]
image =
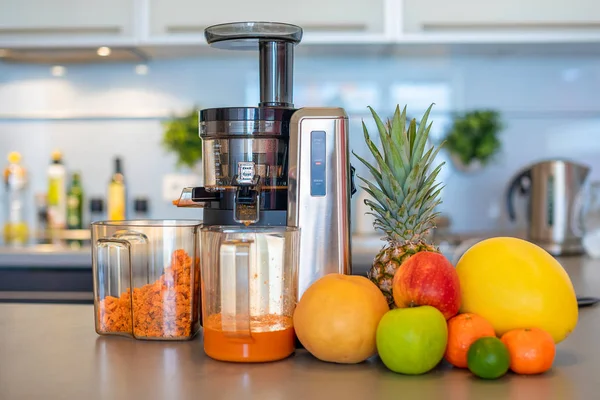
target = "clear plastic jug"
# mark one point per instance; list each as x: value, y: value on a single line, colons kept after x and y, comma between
x: 146, y: 278
x: 249, y: 288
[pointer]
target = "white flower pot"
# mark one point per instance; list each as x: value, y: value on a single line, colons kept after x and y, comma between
x: 472, y: 167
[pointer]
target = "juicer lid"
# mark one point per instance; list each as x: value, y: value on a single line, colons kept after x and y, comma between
x: 246, y: 114
x: 247, y: 35
x: 245, y: 121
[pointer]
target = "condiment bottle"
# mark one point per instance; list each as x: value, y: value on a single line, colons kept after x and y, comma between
x: 57, y: 194
x: 15, y: 182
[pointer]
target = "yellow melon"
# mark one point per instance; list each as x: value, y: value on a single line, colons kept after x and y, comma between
x: 514, y: 284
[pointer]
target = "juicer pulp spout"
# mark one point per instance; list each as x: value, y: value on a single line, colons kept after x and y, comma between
x: 196, y: 197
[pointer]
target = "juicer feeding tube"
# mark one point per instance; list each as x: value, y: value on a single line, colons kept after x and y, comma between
x: 276, y: 73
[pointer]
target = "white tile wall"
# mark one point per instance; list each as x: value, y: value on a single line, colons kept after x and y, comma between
x: 551, y: 107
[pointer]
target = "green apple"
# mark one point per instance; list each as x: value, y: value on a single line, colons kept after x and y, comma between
x: 412, y: 340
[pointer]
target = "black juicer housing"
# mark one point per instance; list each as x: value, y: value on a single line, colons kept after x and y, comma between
x: 245, y: 149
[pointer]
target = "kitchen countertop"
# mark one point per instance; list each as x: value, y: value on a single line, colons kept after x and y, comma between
x: 53, y: 352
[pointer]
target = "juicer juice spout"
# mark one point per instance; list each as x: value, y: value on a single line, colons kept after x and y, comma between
x: 246, y: 203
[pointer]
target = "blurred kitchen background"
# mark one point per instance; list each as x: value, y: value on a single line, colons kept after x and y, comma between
x: 99, y: 80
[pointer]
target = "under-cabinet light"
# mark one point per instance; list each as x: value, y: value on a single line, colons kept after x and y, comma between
x: 103, y: 51
x: 141, y: 69
x: 58, y: 70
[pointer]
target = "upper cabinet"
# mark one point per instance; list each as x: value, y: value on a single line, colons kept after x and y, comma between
x: 523, y: 17
x: 154, y: 24
x: 173, y: 18
x: 42, y: 22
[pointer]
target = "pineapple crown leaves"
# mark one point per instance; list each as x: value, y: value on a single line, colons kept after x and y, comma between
x: 404, y: 186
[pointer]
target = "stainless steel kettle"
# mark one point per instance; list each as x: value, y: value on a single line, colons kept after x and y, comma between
x: 553, y: 187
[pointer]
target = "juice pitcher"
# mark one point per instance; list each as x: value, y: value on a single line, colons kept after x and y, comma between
x: 249, y: 288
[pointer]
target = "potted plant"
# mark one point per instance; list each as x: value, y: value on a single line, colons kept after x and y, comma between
x: 472, y: 140
x: 181, y: 137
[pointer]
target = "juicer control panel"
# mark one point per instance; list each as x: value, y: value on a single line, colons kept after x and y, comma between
x: 318, y: 163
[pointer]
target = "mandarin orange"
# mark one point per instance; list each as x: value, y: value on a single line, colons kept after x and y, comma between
x: 532, y: 350
x: 463, y: 330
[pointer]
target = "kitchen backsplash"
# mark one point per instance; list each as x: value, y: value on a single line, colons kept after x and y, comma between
x: 550, y: 106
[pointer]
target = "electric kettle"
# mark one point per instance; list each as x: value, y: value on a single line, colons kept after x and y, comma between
x: 553, y: 188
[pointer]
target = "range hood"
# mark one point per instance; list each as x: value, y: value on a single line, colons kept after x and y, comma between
x: 71, y: 55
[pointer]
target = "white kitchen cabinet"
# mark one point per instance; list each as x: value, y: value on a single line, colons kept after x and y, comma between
x: 65, y: 21
x: 521, y: 17
x: 172, y: 18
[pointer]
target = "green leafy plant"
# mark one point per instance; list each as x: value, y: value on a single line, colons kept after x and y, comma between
x: 474, y: 136
x: 181, y: 137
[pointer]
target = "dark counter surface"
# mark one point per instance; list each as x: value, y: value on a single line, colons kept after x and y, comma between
x: 45, y: 255
x: 53, y: 352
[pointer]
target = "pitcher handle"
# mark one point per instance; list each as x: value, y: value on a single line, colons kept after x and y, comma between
x: 103, y: 269
x: 235, y: 260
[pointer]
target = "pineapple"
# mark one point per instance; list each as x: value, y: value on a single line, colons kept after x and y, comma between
x: 404, y: 192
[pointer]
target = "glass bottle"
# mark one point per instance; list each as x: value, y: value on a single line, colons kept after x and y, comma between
x: 41, y: 212
x: 15, y: 182
x: 117, y: 194
x: 57, y: 194
x: 75, y: 203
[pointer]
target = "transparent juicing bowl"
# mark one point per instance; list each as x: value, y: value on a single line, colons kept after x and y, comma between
x: 146, y: 278
x: 249, y: 290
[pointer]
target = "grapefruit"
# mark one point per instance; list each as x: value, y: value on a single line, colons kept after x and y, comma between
x: 337, y: 316
x: 516, y: 284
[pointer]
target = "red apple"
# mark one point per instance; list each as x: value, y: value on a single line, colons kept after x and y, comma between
x: 427, y: 279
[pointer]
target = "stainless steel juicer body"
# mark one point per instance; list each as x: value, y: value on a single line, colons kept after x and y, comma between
x: 319, y: 191
x: 274, y: 165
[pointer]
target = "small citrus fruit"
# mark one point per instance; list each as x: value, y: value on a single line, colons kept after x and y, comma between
x: 463, y: 330
x: 488, y: 358
x: 531, y: 350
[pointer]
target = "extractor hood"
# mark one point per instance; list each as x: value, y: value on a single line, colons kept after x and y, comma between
x: 71, y: 55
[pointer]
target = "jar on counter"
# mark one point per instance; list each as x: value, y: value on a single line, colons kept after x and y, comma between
x: 146, y: 278
x: 96, y: 209
x: 141, y: 208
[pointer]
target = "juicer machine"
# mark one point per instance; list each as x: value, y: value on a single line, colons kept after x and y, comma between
x: 276, y: 165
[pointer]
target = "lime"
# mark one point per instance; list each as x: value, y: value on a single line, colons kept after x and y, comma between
x: 488, y: 358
